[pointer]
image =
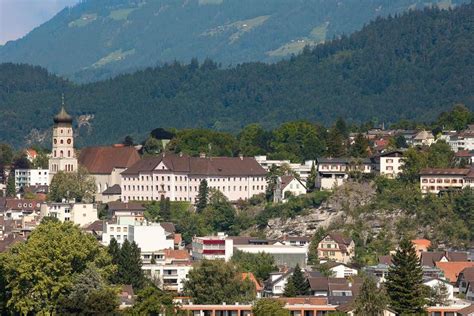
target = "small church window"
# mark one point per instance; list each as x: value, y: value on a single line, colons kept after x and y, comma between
x: 69, y: 141
x: 55, y: 141
x: 61, y: 141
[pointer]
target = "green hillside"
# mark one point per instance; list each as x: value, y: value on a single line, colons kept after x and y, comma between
x: 413, y: 66
x: 99, y: 38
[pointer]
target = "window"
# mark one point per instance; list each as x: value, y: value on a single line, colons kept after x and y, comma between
x: 69, y: 141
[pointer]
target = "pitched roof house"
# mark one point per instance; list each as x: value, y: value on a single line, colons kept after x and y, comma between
x: 336, y: 247
x: 430, y: 258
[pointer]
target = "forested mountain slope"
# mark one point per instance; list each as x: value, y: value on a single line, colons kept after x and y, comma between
x: 99, y: 38
x: 413, y: 66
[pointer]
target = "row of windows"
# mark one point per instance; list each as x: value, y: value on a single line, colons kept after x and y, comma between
x: 454, y: 181
x: 432, y: 188
x: 185, y: 178
x: 69, y: 141
x: 119, y: 229
x: 61, y: 154
x: 146, y: 188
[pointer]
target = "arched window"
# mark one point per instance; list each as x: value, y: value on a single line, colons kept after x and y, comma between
x: 55, y: 153
x: 55, y: 141
x: 61, y: 154
x: 69, y: 153
x: 61, y: 141
x: 61, y: 130
x: 69, y: 141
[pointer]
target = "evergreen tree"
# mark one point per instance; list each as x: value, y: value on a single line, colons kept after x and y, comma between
x: 371, y: 301
x: 359, y: 148
x: 311, y: 181
x: 114, y: 251
x: 11, y: 190
x: 405, y: 281
x: 130, y: 265
x: 300, y: 281
x: 202, y: 196
x: 290, y: 289
x: 165, y: 208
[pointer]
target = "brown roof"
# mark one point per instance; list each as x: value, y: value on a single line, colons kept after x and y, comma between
x: 466, y: 311
x: 168, y: 227
x: 215, y: 166
x: 468, y: 274
x: 96, y: 226
x: 120, y: 206
x: 304, y: 300
x: 9, y: 241
x: 103, y: 160
x: 429, y: 258
x: 445, y: 172
x: 113, y: 190
x: 23, y: 204
x: 452, y: 269
x: 285, y: 180
x: 176, y: 254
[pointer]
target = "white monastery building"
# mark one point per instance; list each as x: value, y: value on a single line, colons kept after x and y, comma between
x: 178, y: 177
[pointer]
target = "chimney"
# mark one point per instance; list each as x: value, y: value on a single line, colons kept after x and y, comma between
x: 202, y: 155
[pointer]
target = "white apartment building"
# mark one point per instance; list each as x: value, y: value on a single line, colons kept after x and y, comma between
x: 463, y: 140
x: 150, y: 237
x: 333, y: 172
x: 435, y: 180
x: 29, y: 177
x: 178, y: 177
x: 212, y: 247
x: 391, y: 164
x: 170, y: 277
x: 81, y: 214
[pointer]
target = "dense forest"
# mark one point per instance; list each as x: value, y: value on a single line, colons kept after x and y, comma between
x: 412, y: 66
x: 96, y: 39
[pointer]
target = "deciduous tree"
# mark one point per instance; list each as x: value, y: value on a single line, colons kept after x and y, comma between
x: 269, y: 307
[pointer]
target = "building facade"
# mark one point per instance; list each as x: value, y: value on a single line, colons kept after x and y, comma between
x: 336, y: 247
x: 30, y: 177
x: 212, y: 247
x: 391, y: 164
x: 435, y: 180
x: 81, y: 214
x: 178, y: 177
x: 63, y: 156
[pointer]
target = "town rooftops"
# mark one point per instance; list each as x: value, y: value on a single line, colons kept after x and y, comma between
x: 22, y: 204
x: 444, y: 172
x: 120, y: 206
x: 391, y: 153
x: 103, y: 160
x: 466, y: 311
x: 201, y: 166
x: 430, y: 258
x: 468, y: 274
x: 113, y: 190
x: 340, y: 239
x: 452, y: 269
x: 423, y: 135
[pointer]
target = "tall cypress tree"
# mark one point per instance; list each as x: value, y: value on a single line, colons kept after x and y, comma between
x: 130, y: 266
x: 300, y: 281
x: 165, y: 208
x: 114, y: 251
x: 11, y: 189
x: 405, y: 281
x: 311, y: 181
x: 290, y: 289
x: 202, y: 196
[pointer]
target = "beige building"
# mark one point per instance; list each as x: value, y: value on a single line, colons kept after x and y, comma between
x: 435, y: 180
x: 105, y: 164
x: 63, y: 157
x: 336, y: 247
x: 178, y: 177
x: 81, y: 214
x: 391, y: 164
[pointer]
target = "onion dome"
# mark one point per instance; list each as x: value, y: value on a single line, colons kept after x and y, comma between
x: 63, y: 117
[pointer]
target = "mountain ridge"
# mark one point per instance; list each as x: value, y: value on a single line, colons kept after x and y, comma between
x: 99, y: 39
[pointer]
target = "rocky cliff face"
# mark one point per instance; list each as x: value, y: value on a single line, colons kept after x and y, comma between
x: 333, y: 212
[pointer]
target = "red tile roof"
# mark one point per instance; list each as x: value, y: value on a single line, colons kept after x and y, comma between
x: 23, y: 204
x: 103, y: 160
x: 176, y: 254
x: 452, y: 269
x: 421, y: 242
x: 215, y: 166
x: 251, y: 277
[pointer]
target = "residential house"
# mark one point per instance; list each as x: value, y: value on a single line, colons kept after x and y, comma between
x: 302, y: 170
x: 333, y: 172
x: 178, y: 177
x: 258, y: 287
x: 31, y: 154
x: 423, y: 138
x: 30, y: 177
x: 465, y: 283
x: 430, y: 258
x: 340, y: 270
x: 133, y: 211
x: 465, y: 157
x: 463, y: 140
x: 82, y: 214
x: 390, y: 163
x: 336, y: 247
x: 105, y: 164
x: 434, y: 181
x: 295, y: 240
x: 337, y: 290
x: 436, y: 284
x: 287, y: 186
x: 275, y: 285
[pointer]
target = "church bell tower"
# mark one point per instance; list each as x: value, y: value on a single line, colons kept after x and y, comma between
x: 63, y: 156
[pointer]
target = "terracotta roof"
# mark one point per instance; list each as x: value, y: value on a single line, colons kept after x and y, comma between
x: 113, y: 190
x: 311, y: 300
x: 429, y: 258
x: 31, y: 152
x: 103, y: 160
x: 452, y: 269
x: 251, y: 277
x: 215, y: 166
x: 445, y: 172
x: 471, y: 173
x: 176, y: 254
x: 422, y: 242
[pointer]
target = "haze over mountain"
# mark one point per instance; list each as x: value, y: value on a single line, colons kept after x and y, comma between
x: 410, y: 67
x: 99, y: 38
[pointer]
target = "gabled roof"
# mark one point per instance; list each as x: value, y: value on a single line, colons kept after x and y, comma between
x: 251, y: 277
x: 423, y: 135
x: 468, y: 274
x: 22, y: 204
x: 113, y: 190
x: 429, y: 258
x: 96, y: 226
x: 103, y: 160
x: 340, y: 239
x: 422, y: 242
x: 207, y: 166
x: 452, y: 269
x: 168, y: 227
